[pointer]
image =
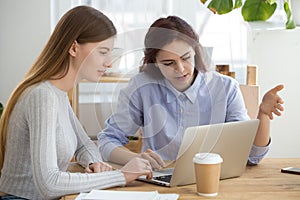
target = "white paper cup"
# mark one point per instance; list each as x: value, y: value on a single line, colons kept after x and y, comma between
x: 207, y: 171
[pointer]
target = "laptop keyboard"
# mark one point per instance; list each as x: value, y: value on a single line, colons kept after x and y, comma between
x: 166, y: 178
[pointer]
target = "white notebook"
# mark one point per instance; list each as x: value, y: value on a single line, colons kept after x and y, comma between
x: 125, y: 195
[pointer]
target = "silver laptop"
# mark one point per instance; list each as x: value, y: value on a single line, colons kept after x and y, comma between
x: 233, y: 141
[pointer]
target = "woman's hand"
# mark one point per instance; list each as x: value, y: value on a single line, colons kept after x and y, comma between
x: 272, y: 103
x: 155, y: 160
x: 98, y: 167
x: 136, y: 167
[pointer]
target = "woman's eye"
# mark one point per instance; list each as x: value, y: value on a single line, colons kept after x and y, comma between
x: 186, y: 58
x: 168, y: 64
x: 103, y: 52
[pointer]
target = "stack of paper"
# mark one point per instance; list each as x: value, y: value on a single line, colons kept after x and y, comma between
x: 125, y: 195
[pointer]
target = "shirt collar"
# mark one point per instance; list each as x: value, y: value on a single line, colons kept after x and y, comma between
x: 190, y: 93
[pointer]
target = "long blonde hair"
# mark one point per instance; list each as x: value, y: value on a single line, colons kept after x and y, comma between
x: 82, y: 24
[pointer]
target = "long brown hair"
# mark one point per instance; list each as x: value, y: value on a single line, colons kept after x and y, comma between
x: 83, y: 24
x: 166, y: 30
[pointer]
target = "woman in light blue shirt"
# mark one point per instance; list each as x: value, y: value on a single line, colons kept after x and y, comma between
x: 175, y: 91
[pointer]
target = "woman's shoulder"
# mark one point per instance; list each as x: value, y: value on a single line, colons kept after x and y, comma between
x: 40, y: 91
x: 35, y: 97
x: 214, y: 76
x: 143, y: 83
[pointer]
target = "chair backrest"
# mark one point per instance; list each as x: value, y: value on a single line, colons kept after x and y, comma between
x: 251, y: 99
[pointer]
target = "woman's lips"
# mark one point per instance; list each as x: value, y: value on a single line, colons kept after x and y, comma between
x: 101, y: 72
x: 184, y: 77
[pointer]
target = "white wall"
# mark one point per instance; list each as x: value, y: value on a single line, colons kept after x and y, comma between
x: 276, y: 52
x: 24, y: 30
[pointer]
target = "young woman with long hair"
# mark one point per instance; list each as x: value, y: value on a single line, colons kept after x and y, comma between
x: 39, y: 132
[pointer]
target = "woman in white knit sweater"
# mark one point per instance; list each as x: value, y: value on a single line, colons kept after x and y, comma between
x: 39, y: 133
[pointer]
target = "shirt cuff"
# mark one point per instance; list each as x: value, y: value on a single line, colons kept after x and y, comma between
x: 258, y: 153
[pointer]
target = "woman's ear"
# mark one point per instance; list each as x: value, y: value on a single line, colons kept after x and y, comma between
x: 73, y: 49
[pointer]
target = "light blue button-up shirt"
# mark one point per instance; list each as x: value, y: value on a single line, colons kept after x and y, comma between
x: 163, y: 113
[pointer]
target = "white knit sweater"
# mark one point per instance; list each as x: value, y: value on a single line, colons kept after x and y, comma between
x: 43, y: 135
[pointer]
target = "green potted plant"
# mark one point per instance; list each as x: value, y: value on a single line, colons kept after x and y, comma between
x: 252, y: 10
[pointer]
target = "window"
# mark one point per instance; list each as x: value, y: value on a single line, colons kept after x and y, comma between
x: 227, y: 34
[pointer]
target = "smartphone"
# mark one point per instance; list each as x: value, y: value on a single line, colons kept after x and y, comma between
x: 291, y: 170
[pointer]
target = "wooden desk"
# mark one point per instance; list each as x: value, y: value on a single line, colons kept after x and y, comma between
x: 264, y: 181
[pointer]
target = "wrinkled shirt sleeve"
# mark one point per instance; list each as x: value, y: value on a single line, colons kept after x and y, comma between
x: 123, y: 123
x: 258, y: 153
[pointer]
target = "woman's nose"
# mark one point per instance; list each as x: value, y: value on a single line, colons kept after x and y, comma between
x: 109, y: 65
x: 179, y: 67
x: 108, y: 62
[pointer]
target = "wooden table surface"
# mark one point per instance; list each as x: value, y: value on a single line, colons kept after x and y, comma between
x: 264, y: 181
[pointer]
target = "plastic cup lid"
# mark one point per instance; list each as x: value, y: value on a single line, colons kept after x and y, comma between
x: 207, y: 158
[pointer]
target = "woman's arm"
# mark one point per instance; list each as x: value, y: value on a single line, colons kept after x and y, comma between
x: 271, y: 104
x: 86, y: 152
x: 50, y: 155
x: 122, y: 155
x: 125, y: 121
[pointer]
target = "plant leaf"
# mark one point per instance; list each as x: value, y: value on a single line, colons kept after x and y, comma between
x: 271, y: 1
x: 290, y: 23
x: 221, y: 6
x: 238, y: 4
x: 255, y: 10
